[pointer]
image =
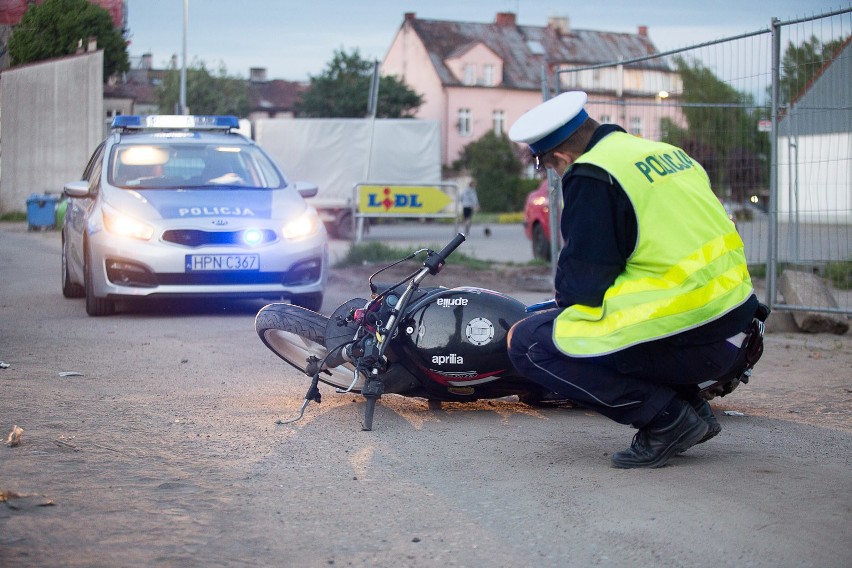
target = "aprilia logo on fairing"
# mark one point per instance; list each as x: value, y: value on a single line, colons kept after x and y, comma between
x: 447, y: 302
x: 452, y: 358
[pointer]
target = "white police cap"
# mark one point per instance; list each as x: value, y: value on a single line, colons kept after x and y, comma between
x: 550, y: 123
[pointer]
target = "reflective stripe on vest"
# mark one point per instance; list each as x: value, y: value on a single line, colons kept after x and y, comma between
x: 688, y: 266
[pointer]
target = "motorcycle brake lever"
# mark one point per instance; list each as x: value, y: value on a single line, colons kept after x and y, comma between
x: 355, y: 374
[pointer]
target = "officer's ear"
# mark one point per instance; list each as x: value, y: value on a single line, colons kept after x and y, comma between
x: 561, y: 160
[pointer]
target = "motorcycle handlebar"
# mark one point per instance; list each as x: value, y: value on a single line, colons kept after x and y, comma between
x: 435, y: 262
x: 452, y: 245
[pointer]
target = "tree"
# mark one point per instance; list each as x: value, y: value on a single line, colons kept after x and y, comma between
x: 55, y: 27
x: 495, y: 167
x: 343, y: 90
x: 205, y: 93
x: 747, y: 173
x: 722, y: 131
x: 800, y: 64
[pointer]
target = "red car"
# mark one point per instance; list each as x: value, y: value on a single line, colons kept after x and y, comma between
x: 537, y: 221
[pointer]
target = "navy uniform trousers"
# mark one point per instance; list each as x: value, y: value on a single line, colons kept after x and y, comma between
x: 630, y: 386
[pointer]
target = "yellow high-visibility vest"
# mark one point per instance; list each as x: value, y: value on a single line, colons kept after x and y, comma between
x: 688, y: 267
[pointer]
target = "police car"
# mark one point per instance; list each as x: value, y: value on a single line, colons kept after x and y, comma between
x: 184, y: 206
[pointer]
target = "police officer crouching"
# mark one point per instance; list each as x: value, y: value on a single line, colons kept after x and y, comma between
x: 652, y: 286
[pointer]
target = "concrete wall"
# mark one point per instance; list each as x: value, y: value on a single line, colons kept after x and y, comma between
x: 52, y: 122
x: 815, y: 179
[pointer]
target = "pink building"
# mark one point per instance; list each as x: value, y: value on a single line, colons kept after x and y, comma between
x: 477, y: 77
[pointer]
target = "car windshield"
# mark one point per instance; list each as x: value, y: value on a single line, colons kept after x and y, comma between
x: 187, y: 166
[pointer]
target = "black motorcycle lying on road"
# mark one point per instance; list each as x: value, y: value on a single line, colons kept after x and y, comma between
x: 441, y: 344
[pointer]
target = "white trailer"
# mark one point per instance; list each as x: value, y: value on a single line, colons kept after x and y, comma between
x: 339, y: 153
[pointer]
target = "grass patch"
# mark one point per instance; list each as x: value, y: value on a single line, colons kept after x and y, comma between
x: 840, y: 274
x: 499, y: 218
x: 757, y: 270
x: 13, y: 216
x: 492, y: 218
x: 379, y: 253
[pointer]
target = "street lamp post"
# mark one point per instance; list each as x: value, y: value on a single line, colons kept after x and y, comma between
x: 182, y: 102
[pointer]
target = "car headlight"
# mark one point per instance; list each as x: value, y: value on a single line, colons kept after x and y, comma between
x: 303, y: 226
x: 121, y: 224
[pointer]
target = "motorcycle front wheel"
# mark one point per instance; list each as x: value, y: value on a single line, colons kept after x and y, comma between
x: 295, y: 334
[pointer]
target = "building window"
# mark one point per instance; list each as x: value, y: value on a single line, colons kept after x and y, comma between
x: 498, y: 118
x: 605, y: 119
x: 636, y: 126
x: 665, y: 127
x: 488, y: 75
x: 469, y: 74
x: 465, y: 122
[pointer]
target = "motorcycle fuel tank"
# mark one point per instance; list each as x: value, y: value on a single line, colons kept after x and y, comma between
x: 458, y: 336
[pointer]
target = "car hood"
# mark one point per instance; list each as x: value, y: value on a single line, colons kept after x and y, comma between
x: 201, y: 203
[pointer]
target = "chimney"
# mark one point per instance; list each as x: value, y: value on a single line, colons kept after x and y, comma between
x: 92, y: 45
x: 257, y: 74
x: 643, y: 31
x: 147, y: 61
x: 505, y: 19
x: 559, y: 23
x: 410, y: 16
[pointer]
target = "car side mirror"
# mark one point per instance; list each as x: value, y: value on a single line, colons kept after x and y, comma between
x: 76, y: 189
x: 306, y: 188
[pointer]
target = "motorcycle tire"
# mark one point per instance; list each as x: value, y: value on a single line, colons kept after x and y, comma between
x: 540, y: 243
x: 69, y: 289
x: 295, y: 334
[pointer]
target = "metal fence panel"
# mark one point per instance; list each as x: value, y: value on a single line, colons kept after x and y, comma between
x: 769, y: 115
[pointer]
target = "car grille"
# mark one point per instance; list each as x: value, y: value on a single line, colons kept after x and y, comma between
x: 128, y: 273
x: 197, y: 238
x: 191, y: 279
x: 305, y: 272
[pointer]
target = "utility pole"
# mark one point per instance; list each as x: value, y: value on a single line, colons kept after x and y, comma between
x: 182, y: 103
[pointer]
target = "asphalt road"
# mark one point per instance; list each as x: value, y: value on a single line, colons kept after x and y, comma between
x: 162, y: 450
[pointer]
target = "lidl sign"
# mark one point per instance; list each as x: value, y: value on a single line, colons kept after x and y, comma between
x: 401, y: 199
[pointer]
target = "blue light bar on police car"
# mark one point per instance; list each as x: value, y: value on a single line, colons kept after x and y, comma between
x: 175, y: 121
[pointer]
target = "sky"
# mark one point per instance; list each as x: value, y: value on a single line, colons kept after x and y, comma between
x: 295, y: 40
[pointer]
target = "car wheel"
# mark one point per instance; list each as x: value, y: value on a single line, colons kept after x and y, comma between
x: 69, y: 289
x: 346, y: 226
x: 95, y: 306
x: 311, y: 302
x: 540, y: 243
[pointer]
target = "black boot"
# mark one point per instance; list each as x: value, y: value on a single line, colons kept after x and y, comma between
x: 654, y: 444
x: 699, y: 404
x: 706, y: 414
